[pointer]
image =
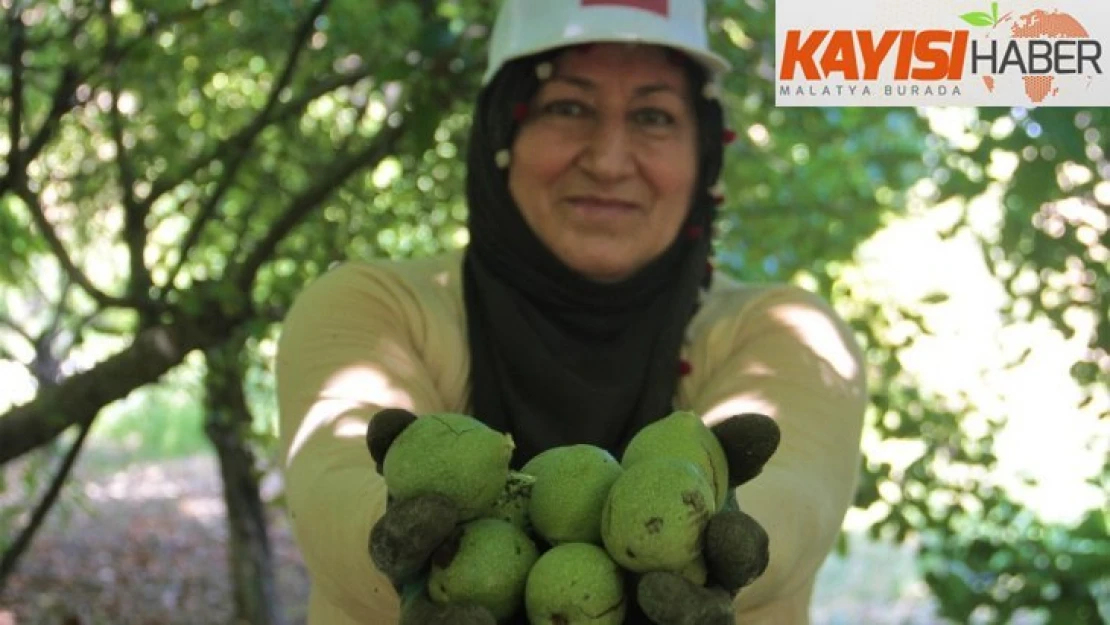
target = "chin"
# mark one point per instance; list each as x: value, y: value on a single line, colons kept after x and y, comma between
x: 602, y: 270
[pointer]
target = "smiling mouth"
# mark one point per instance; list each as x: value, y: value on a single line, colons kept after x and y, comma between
x: 592, y: 203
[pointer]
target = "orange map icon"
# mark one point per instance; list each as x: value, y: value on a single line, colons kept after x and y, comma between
x: 1039, y: 24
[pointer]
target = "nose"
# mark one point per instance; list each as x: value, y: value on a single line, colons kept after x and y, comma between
x: 607, y: 154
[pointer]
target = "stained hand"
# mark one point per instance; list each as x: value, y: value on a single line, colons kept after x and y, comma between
x: 737, y: 548
x: 406, y: 537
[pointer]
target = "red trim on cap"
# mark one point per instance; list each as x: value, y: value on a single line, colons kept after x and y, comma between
x: 661, y: 7
x: 729, y: 136
x: 684, y: 368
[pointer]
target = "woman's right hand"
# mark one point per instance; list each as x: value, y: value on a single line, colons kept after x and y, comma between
x: 407, y: 536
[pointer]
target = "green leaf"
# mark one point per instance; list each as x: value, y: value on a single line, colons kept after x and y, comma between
x: 978, y: 18
x: 842, y: 545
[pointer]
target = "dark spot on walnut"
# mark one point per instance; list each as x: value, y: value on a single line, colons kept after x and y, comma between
x: 694, y: 501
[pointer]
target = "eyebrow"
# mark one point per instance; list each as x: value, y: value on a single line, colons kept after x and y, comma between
x: 589, y: 85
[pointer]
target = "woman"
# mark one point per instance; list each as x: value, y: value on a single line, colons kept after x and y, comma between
x: 583, y: 308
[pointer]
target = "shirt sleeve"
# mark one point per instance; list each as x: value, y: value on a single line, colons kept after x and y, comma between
x: 784, y: 352
x: 347, y: 350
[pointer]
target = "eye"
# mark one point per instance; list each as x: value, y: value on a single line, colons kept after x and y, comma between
x: 653, y: 117
x: 565, y: 108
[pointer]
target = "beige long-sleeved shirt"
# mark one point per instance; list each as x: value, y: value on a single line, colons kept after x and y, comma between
x: 368, y: 335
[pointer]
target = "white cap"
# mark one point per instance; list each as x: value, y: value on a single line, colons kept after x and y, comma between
x: 525, y: 27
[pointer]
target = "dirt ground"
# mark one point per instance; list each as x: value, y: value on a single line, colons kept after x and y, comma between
x: 147, y: 548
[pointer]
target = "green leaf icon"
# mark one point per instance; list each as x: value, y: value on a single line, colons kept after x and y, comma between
x: 978, y: 18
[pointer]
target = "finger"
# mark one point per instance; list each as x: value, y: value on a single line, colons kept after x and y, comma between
x: 383, y: 428
x: 749, y: 441
x: 737, y: 549
x: 669, y: 599
x: 421, y: 610
x: 405, y: 537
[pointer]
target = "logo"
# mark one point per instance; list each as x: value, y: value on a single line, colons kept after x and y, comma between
x: 1041, y: 46
x: 655, y: 6
x: 911, y: 53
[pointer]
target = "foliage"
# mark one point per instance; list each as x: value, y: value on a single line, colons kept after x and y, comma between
x: 985, y: 555
x: 195, y: 158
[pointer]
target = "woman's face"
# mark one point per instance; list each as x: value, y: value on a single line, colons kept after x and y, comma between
x: 603, y: 168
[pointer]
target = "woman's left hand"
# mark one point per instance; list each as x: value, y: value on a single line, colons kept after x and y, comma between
x: 736, y: 553
x: 669, y: 599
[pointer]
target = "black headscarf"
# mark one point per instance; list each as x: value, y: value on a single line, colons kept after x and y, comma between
x: 556, y: 358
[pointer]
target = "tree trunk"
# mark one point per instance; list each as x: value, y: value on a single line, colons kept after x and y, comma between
x: 227, y: 424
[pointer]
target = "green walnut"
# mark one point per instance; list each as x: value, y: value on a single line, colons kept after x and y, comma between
x: 572, y: 484
x: 684, y: 435
x: 486, y: 564
x: 575, y: 584
x: 656, y: 514
x: 453, y: 455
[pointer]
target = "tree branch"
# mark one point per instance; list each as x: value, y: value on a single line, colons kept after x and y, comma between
x: 271, y: 313
x: 41, y: 298
x: 360, y: 113
x: 73, y: 335
x: 59, y: 313
x: 78, y: 399
x: 63, y: 99
x: 248, y: 133
x: 383, y: 145
x: 134, y: 227
x: 38, y: 215
x: 23, y: 541
x: 100, y: 326
x: 75, y: 24
x: 6, y: 354
x: 60, y: 103
x: 10, y: 323
x: 15, y: 118
x: 170, y: 19
x: 251, y: 210
x: 238, y: 151
x: 300, y: 38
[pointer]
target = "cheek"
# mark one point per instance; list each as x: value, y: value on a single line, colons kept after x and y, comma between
x: 533, y: 173
x: 536, y: 160
x: 674, y: 179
